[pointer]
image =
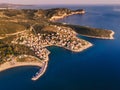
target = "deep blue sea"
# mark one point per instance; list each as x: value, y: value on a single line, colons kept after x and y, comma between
x: 97, y: 68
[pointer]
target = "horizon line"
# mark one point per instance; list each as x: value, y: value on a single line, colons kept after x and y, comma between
x: 63, y: 4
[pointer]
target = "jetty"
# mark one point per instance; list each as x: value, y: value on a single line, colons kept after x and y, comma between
x: 41, y: 71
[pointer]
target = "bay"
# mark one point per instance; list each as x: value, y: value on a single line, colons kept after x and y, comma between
x: 97, y: 68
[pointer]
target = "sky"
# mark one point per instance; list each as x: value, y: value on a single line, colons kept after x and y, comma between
x: 61, y: 1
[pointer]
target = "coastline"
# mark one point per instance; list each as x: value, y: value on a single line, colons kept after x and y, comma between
x: 12, y: 64
x: 111, y: 36
x: 65, y: 15
x: 54, y: 18
x: 9, y: 65
x: 41, y: 71
x: 43, y: 64
x: 78, y: 50
x: 40, y: 48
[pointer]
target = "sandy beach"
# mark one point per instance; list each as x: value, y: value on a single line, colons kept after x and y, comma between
x: 14, y: 63
x: 9, y: 65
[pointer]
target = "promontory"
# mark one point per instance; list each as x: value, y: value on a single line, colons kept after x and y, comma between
x: 25, y: 35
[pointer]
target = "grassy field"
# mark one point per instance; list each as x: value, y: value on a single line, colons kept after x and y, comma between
x: 10, y: 27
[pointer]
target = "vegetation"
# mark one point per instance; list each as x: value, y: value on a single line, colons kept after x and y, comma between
x: 12, y: 12
x: 57, y: 12
x: 7, y: 50
x: 14, y: 21
x: 87, y: 31
x: 10, y: 27
x: 83, y: 30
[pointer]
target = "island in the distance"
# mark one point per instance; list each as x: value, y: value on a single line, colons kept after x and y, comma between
x: 25, y: 35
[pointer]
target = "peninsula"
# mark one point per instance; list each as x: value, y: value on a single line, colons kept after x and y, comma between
x: 25, y: 35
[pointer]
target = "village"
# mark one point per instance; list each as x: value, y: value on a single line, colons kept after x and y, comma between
x: 63, y: 37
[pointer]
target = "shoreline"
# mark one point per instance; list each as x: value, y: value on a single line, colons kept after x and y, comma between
x: 78, y: 50
x: 9, y: 65
x: 111, y: 36
x: 41, y: 71
x: 14, y: 64
x: 54, y: 18
x: 44, y: 64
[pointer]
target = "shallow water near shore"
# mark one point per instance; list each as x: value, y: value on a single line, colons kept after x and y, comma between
x: 96, y: 68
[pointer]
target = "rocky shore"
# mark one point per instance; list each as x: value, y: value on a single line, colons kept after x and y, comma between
x: 56, y: 17
x: 36, y: 30
x: 111, y: 36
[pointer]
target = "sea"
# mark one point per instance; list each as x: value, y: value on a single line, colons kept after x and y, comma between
x: 96, y: 68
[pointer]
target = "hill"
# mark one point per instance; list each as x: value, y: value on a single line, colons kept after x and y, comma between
x: 26, y: 33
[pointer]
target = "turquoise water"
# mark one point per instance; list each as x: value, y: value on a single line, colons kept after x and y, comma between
x: 97, y: 68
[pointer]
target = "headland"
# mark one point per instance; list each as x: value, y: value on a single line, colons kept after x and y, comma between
x: 25, y: 35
